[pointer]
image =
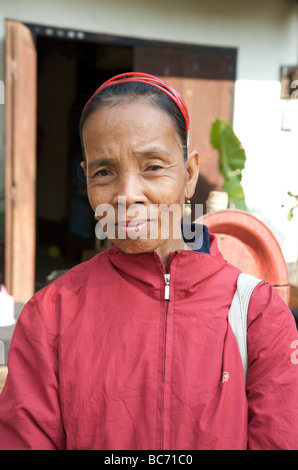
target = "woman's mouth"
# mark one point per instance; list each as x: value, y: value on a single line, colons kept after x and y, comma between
x: 133, y: 227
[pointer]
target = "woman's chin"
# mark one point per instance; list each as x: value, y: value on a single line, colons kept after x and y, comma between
x: 138, y: 246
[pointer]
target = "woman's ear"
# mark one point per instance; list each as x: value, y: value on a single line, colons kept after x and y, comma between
x: 192, y: 169
x: 83, y: 165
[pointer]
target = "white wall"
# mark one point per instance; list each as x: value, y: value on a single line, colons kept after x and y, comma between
x: 272, y: 157
x: 266, y: 35
x: 263, y: 31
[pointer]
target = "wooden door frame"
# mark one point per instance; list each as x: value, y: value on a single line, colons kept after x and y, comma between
x: 20, y: 160
x: 20, y: 153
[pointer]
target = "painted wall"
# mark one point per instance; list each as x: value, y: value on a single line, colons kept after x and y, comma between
x: 266, y: 35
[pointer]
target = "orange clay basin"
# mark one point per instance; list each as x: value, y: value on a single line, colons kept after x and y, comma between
x: 248, y: 244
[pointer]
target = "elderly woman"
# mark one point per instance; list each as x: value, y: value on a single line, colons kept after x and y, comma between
x: 133, y: 349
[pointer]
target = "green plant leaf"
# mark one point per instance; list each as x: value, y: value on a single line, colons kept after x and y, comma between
x: 236, y: 194
x: 231, y: 160
x: 290, y: 213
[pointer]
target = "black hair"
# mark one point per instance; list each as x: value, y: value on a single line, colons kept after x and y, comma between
x: 113, y: 95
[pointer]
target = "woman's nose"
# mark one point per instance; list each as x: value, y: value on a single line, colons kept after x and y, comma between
x: 129, y: 191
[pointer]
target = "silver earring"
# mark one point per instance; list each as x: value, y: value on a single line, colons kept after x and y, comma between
x: 187, y: 208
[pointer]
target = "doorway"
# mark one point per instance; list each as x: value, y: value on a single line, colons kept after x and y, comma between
x: 70, y: 66
x: 68, y: 73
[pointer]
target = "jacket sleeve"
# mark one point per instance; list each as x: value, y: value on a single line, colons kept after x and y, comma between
x: 272, y: 378
x: 30, y: 415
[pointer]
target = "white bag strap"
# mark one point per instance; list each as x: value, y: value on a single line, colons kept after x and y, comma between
x: 238, y: 313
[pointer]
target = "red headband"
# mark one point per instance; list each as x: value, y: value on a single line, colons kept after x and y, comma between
x: 151, y: 80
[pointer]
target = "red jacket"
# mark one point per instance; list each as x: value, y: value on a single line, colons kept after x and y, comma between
x: 101, y: 360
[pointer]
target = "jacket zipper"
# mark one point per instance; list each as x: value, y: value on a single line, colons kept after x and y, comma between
x: 167, y: 278
x: 167, y: 286
x: 167, y: 298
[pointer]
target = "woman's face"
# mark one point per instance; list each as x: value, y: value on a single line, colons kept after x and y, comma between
x: 135, y: 166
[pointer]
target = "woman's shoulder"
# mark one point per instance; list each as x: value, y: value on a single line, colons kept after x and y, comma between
x: 75, y: 279
x: 64, y: 294
x: 96, y: 265
x: 269, y: 316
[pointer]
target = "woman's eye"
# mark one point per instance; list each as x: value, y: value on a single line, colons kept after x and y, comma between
x: 104, y: 172
x: 154, y: 168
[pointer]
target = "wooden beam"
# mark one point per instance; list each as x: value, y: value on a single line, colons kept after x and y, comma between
x: 20, y: 161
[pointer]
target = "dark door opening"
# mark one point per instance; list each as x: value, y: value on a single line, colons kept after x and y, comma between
x: 68, y: 73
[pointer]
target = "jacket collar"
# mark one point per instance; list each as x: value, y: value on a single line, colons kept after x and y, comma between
x: 197, y: 235
x: 187, y: 268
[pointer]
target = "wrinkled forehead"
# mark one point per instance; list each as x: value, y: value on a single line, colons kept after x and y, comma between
x: 130, y: 127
